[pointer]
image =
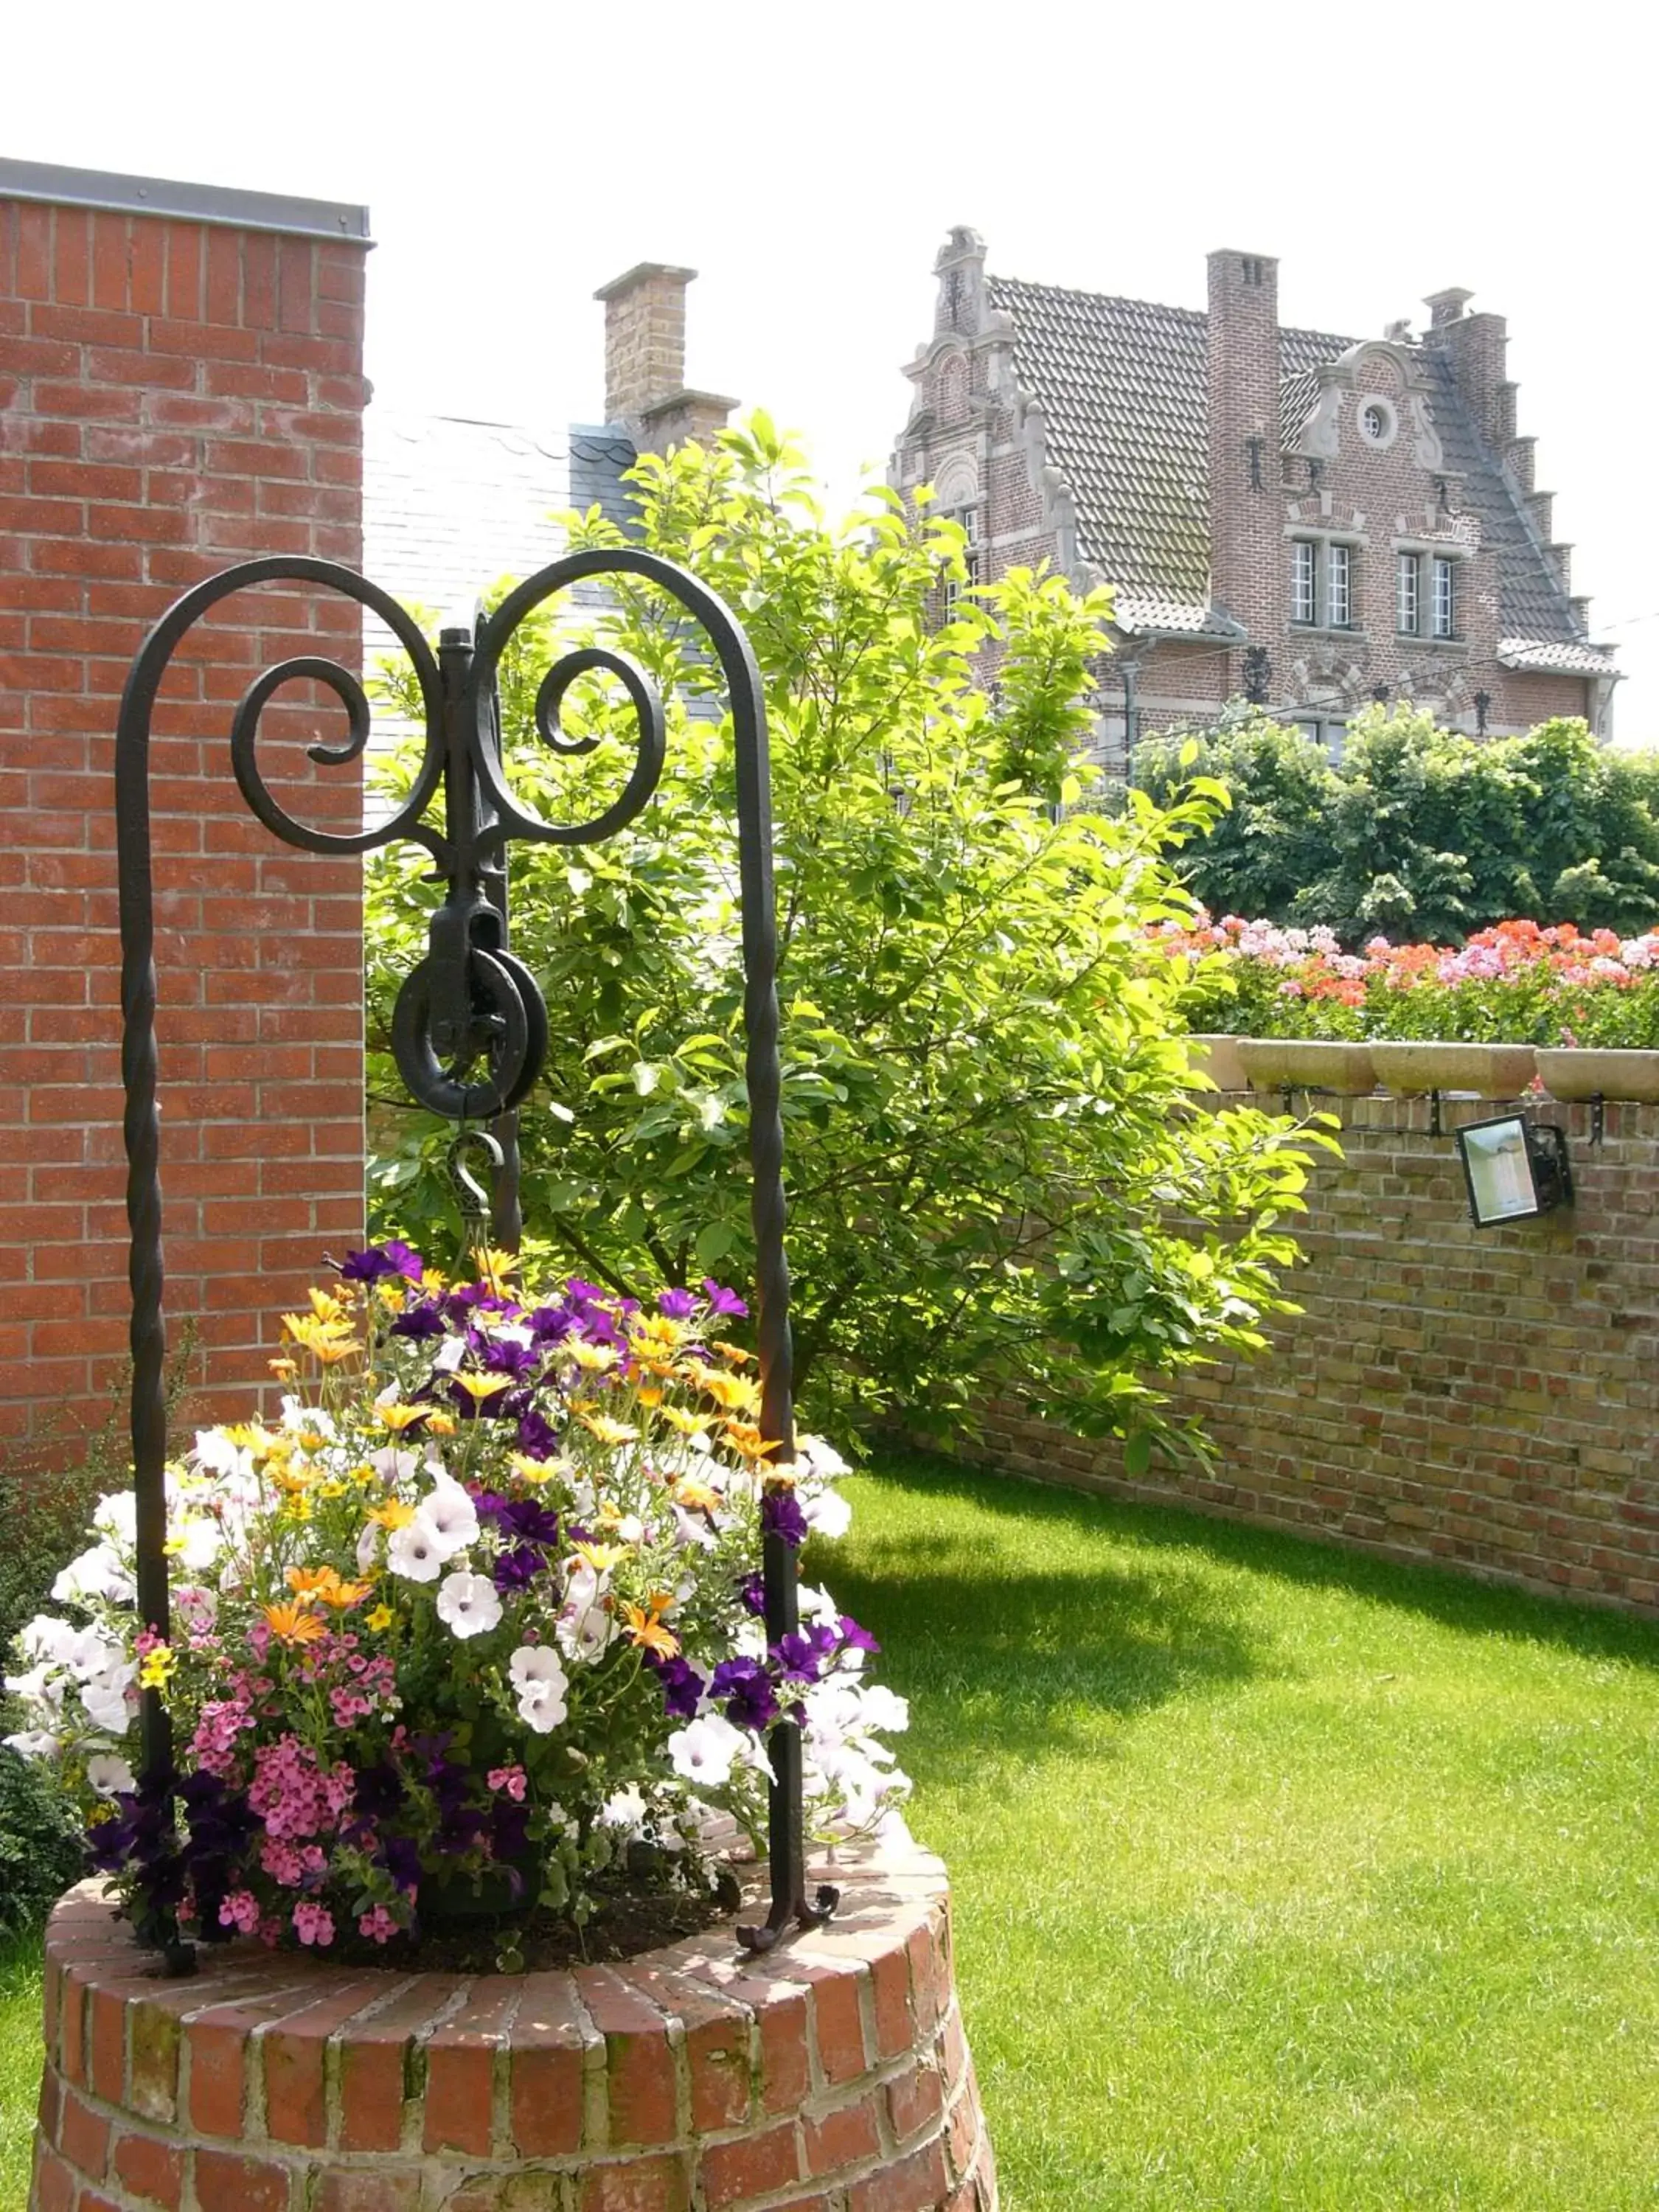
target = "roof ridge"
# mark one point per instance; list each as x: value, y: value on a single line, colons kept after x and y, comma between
x: 1111, y: 299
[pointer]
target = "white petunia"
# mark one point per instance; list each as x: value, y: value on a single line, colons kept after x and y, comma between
x: 299, y: 1419
x: 105, y: 1698
x: 117, y: 1516
x: 41, y: 1688
x: 33, y: 1743
x: 826, y: 1513
x: 449, y: 1513
x: 46, y: 1637
x: 109, y: 1775
x: 691, y: 1529
x: 625, y: 1809
x: 214, y: 1451
x: 820, y: 1459
x: 540, y: 1683
x: 99, y: 1573
x: 414, y: 1551
x: 704, y: 1750
x: 394, y: 1463
x: 469, y: 1603
x: 585, y: 1627
x: 194, y: 1542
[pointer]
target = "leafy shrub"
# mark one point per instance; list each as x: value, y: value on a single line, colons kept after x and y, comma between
x: 41, y: 1849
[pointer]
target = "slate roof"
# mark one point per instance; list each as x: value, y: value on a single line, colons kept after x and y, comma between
x: 1123, y: 385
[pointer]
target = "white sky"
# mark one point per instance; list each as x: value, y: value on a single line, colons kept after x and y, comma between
x: 809, y: 161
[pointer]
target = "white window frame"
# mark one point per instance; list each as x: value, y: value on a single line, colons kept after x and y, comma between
x: 1339, y: 585
x: 1408, y: 594
x: 1442, y: 600
x: 1304, y: 581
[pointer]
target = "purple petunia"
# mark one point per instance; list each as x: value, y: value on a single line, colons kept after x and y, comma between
x: 681, y: 1685
x: 751, y: 1593
x: 802, y: 1656
x: 854, y: 1638
x: 537, y: 1438
x: 679, y: 1305
x: 517, y: 1568
x: 780, y: 1516
x: 751, y: 1700
x: 377, y: 1263
x: 722, y: 1301
x: 421, y: 1320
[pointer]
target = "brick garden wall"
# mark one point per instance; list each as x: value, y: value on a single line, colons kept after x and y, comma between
x: 1483, y: 1398
x: 832, y: 2075
x: 174, y: 394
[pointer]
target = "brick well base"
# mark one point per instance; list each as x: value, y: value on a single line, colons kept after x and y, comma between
x: 832, y: 2076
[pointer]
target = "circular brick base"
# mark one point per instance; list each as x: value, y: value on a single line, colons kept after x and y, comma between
x: 832, y: 2076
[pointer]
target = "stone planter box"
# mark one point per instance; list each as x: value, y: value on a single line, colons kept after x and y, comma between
x: 1306, y: 1064
x: 1587, y: 1071
x: 830, y: 2076
x: 1490, y: 1070
x: 1217, y: 1057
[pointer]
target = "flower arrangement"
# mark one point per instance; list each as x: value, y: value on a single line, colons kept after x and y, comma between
x: 474, y: 1621
x: 1517, y: 983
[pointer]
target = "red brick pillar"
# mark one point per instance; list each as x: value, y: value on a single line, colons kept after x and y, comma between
x: 181, y: 387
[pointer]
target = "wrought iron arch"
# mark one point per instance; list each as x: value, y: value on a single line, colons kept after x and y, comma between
x: 469, y: 1028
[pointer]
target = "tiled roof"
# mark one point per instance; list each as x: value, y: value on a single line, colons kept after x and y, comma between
x: 1123, y: 388
x: 1571, y: 659
x: 450, y: 506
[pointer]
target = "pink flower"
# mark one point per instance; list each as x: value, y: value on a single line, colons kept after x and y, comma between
x: 513, y: 1779
x: 240, y: 1910
x: 314, y: 1923
x: 379, y: 1924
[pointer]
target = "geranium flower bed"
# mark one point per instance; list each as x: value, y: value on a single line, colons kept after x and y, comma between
x: 1516, y: 983
x: 471, y: 1626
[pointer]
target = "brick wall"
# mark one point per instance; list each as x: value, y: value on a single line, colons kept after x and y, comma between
x: 174, y: 394
x: 1483, y: 1398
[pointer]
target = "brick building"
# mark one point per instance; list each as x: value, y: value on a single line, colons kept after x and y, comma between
x: 1307, y: 520
x: 180, y: 386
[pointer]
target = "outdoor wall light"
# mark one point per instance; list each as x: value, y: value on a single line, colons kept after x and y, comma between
x: 1515, y: 1168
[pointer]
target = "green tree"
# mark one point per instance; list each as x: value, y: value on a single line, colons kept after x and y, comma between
x: 1420, y: 832
x: 996, y: 1182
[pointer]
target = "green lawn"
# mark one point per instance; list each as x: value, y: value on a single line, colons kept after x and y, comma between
x: 19, y: 2066
x: 1284, y: 1879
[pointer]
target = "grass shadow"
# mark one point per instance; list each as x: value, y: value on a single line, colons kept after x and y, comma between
x: 1042, y: 1653
x: 1453, y: 1599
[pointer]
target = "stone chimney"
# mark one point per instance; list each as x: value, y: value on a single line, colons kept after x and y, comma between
x: 1247, y: 542
x: 645, y: 386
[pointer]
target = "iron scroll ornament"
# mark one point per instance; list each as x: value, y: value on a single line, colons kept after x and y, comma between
x: 469, y: 1028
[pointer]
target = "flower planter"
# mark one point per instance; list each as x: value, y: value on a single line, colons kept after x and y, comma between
x: 1489, y: 1071
x: 1217, y: 1056
x: 1592, y: 1071
x: 1308, y: 1064
x: 832, y: 2072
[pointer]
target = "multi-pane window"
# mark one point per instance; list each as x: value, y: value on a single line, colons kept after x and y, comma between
x: 1304, y: 580
x: 1408, y: 594
x: 1321, y: 583
x: 1443, y: 597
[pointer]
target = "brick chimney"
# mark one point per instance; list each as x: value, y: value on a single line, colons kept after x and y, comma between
x: 645, y: 386
x: 1247, y: 551
x: 1477, y: 345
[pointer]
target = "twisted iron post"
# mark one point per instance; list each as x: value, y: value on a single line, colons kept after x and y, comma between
x: 469, y: 1028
